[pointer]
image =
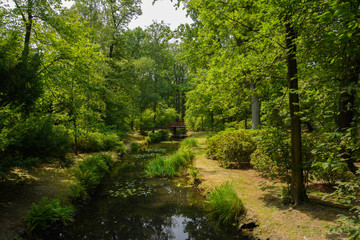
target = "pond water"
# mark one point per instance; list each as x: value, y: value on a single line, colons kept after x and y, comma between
x: 132, y: 206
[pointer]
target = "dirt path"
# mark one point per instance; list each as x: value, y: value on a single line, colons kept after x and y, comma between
x: 262, y: 200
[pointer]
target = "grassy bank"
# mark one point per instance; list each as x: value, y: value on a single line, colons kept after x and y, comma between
x: 262, y: 200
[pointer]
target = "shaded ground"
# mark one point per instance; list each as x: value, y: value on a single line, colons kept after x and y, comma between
x: 25, y: 187
x: 262, y: 200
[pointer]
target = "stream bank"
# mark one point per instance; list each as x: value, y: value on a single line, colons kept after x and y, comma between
x: 261, y: 198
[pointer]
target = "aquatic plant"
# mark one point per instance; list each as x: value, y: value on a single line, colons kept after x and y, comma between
x: 226, y: 206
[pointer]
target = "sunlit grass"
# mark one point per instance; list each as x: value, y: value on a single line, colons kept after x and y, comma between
x: 170, y: 166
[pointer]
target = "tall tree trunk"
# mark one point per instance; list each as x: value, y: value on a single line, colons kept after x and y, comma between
x: 255, y: 109
x: 245, y: 119
x: 298, y: 192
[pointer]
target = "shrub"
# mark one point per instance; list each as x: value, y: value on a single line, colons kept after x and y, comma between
x: 193, y: 173
x: 25, y: 141
x: 134, y: 146
x: 169, y: 166
x: 272, y: 157
x: 121, y: 148
x: 347, y: 193
x: 162, y: 135
x: 46, y: 213
x: 189, y: 142
x: 225, y: 204
x: 326, y: 161
x: 90, y: 171
x: 231, y: 146
x: 96, y: 142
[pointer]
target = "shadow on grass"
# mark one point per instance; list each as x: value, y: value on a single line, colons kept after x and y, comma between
x: 315, y: 208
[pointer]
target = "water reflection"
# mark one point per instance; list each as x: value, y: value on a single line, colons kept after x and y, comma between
x: 168, y: 212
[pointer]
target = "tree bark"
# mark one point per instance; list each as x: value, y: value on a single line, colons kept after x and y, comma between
x: 255, y: 109
x: 298, y: 192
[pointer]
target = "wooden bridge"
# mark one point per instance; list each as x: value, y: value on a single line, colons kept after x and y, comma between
x: 173, y: 126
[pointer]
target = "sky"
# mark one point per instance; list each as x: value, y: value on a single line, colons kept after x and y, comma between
x: 161, y: 10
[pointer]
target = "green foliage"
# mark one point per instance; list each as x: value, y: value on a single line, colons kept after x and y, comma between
x: 169, y: 166
x: 121, y: 148
x: 189, y: 142
x: 226, y: 206
x: 347, y: 193
x: 96, y: 142
x: 272, y: 156
x: 26, y: 141
x: 162, y: 135
x: 231, y: 146
x: 134, y: 146
x: 193, y: 175
x: 88, y: 174
x: 48, y: 211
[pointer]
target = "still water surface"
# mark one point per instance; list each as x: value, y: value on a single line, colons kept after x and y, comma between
x: 131, y: 206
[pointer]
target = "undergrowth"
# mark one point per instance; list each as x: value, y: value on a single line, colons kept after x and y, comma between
x: 47, y: 212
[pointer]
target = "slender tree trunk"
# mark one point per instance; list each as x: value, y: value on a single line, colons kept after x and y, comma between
x: 245, y: 119
x: 298, y: 191
x: 255, y: 109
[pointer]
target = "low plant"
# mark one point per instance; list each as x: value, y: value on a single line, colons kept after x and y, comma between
x: 134, y: 146
x: 88, y: 174
x: 347, y: 193
x: 162, y: 135
x: 226, y: 206
x: 47, y: 212
x: 189, y: 142
x: 193, y: 175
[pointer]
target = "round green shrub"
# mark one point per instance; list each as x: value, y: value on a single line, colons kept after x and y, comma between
x: 231, y: 146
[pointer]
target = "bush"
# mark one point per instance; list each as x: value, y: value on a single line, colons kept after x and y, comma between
x: 23, y: 142
x: 134, y: 146
x: 326, y: 161
x: 96, y: 142
x: 225, y: 204
x: 347, y: 193
x: 189, y: 142
x: 162, y: 135
x: 272, y: 157
x: 121, y: 148
x: 89, y: 172
x: 46, y: 213
x: 169, y: 166
x: 231, y: 146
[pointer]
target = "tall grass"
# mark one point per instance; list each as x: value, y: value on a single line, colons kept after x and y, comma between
x: 170, y: 166
x: 226, y: 206
x: 189, y: 142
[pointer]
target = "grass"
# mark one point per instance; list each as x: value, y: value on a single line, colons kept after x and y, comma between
x: 189, y: 142
x: 169, y: 166
x: 225, y: 204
